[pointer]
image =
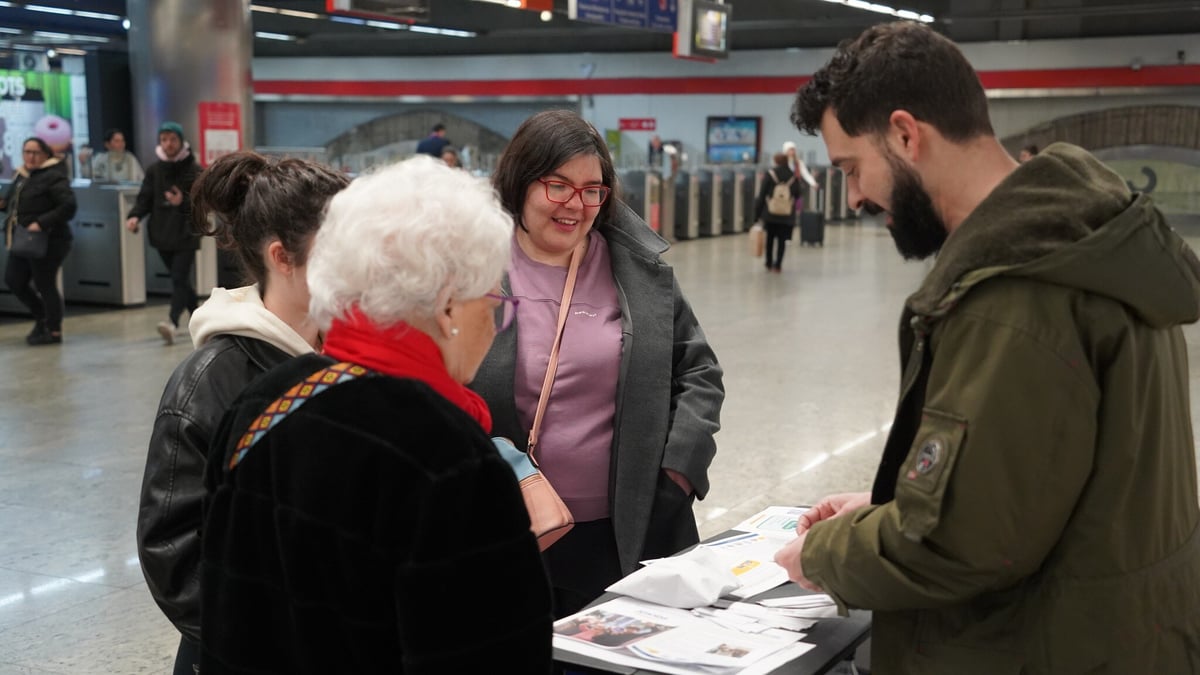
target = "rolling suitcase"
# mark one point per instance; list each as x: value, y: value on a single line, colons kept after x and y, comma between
x: 812, y: 228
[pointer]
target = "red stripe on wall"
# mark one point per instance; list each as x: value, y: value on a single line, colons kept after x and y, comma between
x: 1071, y: 78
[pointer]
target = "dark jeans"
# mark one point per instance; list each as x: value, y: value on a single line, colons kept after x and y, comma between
x: 183, y: 294
x: 777, y: 238
x: 35, y: 282
x: 187, y: 659
x: 581, y: 565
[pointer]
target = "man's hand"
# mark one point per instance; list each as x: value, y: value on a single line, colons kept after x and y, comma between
x: 832, y: 507
x: 174, y: 196
x: 131, y: 224
x: 789, y: 557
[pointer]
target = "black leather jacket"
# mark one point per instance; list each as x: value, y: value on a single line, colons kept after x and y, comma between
x: 169, y: 516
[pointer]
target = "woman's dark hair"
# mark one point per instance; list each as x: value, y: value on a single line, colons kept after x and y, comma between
x: 253, y: 199
x: 543, y: 143
x: 780, y: 159
x: 43, y: 145
x: 108, y: 135
x: 902, y: 65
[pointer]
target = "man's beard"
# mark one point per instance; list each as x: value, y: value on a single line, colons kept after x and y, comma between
x: 917, y: 229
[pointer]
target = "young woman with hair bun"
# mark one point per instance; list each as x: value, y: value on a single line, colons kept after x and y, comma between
x: 266, y: 212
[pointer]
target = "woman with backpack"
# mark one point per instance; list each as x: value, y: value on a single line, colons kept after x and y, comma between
x: 776, y: 209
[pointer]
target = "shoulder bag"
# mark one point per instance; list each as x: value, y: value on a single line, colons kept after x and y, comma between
x: 549, y: 517
x: 21, y: 242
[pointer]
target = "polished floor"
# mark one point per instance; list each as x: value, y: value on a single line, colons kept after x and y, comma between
x: 810, y: 374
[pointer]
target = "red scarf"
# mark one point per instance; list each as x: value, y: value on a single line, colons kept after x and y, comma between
x: 405, y: 352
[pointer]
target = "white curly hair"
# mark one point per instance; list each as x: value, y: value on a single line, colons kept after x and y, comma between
x: 400, y: 240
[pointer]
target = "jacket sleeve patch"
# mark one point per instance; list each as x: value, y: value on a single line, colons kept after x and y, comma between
x: 921, y: 486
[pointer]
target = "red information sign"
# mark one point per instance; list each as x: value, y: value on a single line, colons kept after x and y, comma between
x: 637, y: 123
x: 220, y: 130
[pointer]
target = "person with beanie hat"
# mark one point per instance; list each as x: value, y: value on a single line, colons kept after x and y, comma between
x: 164, y: 197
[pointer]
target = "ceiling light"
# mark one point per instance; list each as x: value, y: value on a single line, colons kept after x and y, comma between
x: 49, y: 10
x: 264, y: 8
x: 125, y: 24
x: 441, y: 31
x: 284, y: 37
x: 10, y: 31
x: 72, y: 52
x: 884, y: 9
x: 349, y: 19
x: 50, y: 53
x: 386, y: 24
x: 97, y: 15
x: 299, y: 14
x: 547, y: 15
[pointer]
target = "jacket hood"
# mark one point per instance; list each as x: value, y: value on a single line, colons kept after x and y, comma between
x: 48, y: 164
x: 1065, y: 218
x: 184, y: 153
x: 240, y: 311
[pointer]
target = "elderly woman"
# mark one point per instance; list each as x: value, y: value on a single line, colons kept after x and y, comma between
x: 39, y: 199
x: 357, y: 507
x: 627, y: 433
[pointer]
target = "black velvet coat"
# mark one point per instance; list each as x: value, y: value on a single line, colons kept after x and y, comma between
x: 374, y: 529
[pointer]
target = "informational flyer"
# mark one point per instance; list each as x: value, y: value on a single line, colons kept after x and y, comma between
x: 634, y: 633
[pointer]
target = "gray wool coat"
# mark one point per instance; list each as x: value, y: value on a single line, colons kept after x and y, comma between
x: 669, y: 396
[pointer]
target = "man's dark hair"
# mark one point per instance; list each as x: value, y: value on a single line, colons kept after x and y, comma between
x: 439, y: 127
x: 108, y: 135
x: 1031, y: 149
x: 902, y: 65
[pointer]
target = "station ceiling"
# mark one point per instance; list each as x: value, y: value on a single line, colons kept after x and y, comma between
x: 295, y: 28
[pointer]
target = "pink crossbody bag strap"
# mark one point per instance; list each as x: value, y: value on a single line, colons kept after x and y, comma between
x: 552, y: 368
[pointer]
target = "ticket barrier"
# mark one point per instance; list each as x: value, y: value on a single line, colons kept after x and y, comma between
x: 633, y: 191
x: 158, y: 277
x: 707, y: 217
x: 687, y: 205
x: 724, y: 184
x: 666, y: 207
x: 834, y: 187
x: 106, y: 264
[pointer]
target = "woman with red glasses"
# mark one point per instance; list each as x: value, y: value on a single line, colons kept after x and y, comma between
x: 627, y: 434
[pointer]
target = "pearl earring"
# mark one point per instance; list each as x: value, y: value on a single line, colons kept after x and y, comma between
x: 453, y: 332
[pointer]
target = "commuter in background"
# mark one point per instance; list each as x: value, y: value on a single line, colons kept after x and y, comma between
x: 266, y: 212
x: 1028, y: 152
x: 356, y: 533
x: 435, y: 142
x: 164, y: 197
x: 39, y: 199
x: 654, y: 155
x: 450, y: 157
x: 775, y: 208
x: 114, y: 165
x: 798, y: 169
x: 1035, y: 510
x: 627, y: 436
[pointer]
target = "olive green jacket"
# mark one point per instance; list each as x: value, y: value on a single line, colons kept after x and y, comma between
x: 1036, y: 510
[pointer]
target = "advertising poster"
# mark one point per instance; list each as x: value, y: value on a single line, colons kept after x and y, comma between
x: 38, y: 104
x: 220, y: 130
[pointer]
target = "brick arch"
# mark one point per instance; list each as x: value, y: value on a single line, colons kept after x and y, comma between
x: 1175, y: 126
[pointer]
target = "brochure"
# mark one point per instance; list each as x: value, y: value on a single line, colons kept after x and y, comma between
x: 639, y: 634
x: 774, y: 521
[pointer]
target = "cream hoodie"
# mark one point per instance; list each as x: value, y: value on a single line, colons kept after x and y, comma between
x: 240, y: 311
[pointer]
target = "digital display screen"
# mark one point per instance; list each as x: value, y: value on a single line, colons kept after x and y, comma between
x: 732, y: 140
